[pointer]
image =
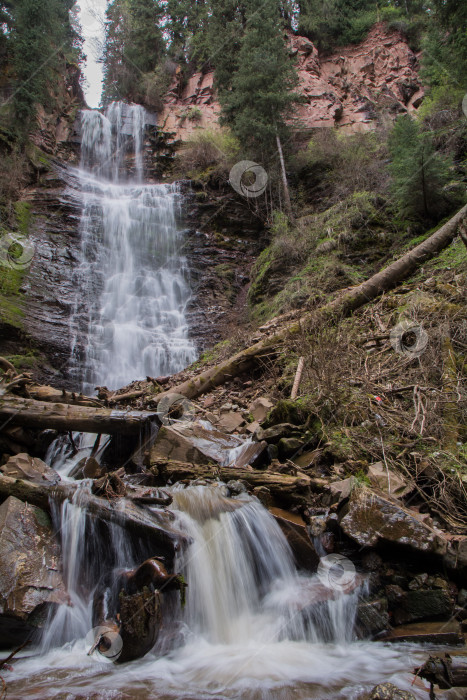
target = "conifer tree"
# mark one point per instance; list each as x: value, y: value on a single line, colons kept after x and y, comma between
x: 261, y: 95
x: 418, y: 172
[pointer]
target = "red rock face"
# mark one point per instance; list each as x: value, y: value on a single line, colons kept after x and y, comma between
x: 347, y: 89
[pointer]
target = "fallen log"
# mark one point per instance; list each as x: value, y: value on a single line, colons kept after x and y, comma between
x: 50, y: 394
x: 30, y: 413
x: 287, y: 489
x: 343, y: 305
x: 155, y: 527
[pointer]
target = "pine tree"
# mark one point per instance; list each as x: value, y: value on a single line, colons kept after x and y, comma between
x: 261, y: 95
x: 41, y: 33
x: 418, y: 172
x: 134, y: 45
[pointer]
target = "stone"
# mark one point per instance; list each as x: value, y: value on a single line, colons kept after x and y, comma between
x: 88, y: 468
x: 423, y: 605
x: 462, y: 597
x: 30, y: 578
x: 264, y: 495
x: 388, y: 481
x: 340, y: 490
x: 260, y: 408
x: 370, y: 519
x: 372, y: 617
x: 195, y: 444
x: 230, y: 421
x: 427, y: 633
x: 289, y: 446
x: 388, y: 691
x: 295, y: 530
x: 456, y: 555
x: 22, y: 466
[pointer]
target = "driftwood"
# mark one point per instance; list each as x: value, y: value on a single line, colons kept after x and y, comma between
x: 50, y: 394
x: 343, y: 305
x: 447, y: 672
x: 41, y: 415
x: 154, y: 527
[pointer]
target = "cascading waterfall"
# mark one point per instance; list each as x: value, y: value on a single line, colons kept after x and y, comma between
x: 253, y: 627
x: 132, y: 280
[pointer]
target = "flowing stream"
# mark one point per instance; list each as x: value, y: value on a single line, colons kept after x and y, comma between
x: 253, y: 627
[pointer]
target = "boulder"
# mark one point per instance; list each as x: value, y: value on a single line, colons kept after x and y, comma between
x: 388, y: 691
x: 88, y: 468
x: 370, y: 519
x: 423, y: 605
x: 196, y: 444
x: 260, y: 408
x: 341, y: 490
x: 295, y: 530
x: 388, y: 481
x: 22, y: 466
x: 372, y: 617
x: 30, y: 578
x: 288, y: 446
x: 230, y: 421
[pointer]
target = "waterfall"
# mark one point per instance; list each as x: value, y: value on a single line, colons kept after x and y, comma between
x: 132, y: 280
x: 253, y: 627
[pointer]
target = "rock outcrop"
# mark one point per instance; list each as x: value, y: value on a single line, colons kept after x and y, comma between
x: 346, y: 89
x: 30, y: 578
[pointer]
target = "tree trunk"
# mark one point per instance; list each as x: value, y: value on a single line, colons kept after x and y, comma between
x: 288, y: 203
x: 287, y: 489
x: 156, y: 528
x: 63, y: 417
x: 344, y: 304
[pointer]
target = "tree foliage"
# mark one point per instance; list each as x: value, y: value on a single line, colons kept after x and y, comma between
x: 419, y: 174
x: 259, y: 96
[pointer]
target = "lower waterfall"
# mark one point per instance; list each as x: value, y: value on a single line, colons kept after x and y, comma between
x: 252, y: 627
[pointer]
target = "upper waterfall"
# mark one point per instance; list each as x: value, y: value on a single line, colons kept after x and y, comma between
x: 132, y: 280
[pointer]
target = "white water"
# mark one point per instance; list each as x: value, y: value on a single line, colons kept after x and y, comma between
x: 252, y: 627
x: 132, y: 280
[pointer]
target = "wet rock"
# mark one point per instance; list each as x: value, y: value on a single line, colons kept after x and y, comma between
x: 372, y: 617
x: 260, y: 408
x: 423, y: 605
x: 87, y: 468
x: 295, y: 530
x: 30, y: 578
x: 370, y: 519
x: 264, y: 495
x: 388, y: 691
x: 455, y: 694
x: 388, y: 481
x: 193, y: 443
x: 427, y: 633
x: 22, y: 466
x: 236, y: 487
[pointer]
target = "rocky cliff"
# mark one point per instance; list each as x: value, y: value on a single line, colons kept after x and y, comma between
x: 346, y: 89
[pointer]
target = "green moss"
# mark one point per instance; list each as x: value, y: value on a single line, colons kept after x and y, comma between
x: 23, y: 217
x: 26, y: 361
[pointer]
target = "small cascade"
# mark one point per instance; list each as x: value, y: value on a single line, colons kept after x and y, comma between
x: 243, y: 583
x: 252, y: 627
x: 132, y: 279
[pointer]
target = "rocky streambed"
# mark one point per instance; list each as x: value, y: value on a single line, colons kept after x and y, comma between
x: 368, y: 540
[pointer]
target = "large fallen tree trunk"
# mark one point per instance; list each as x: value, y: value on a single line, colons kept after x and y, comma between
x: 154, y: 527
x: 30, y: 413
x: 284, y: 487
x: 347, y: 302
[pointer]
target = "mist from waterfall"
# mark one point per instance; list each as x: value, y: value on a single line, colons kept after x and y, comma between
x: 132, y: 280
